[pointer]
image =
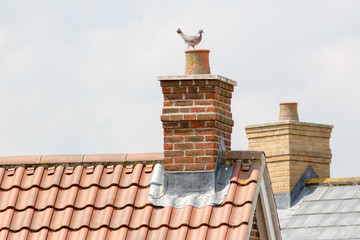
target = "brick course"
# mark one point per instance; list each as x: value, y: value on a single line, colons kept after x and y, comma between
x: 196, y: 113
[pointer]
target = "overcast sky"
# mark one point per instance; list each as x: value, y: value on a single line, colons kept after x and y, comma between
x: 81, y: 76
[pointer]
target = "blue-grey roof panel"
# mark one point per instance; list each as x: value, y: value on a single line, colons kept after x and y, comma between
x: 331, y: 212
x: 357, y: 194
x: 297, y: 221
x: 347, y: 205
x: 317, y: 194
x: 356, y: 233
x: 328, y: 233
x: 340, y: 192
x: 356, y: 206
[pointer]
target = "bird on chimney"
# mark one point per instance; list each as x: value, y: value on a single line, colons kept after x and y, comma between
x: 191, y: 40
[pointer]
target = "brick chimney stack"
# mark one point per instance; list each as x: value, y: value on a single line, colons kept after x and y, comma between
x: 196, y: 113
x: 290, y: 147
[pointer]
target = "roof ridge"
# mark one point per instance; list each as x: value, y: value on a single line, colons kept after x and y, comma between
x: 79, y: 158
x: 333, y: 181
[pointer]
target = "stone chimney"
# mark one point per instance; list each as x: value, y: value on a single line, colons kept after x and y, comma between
x: 291, y: 147
x: 196, y: 115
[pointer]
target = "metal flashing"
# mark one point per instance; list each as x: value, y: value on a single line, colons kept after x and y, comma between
x: 289, y: 199
x: 196, y: 188
x: 297, y: 193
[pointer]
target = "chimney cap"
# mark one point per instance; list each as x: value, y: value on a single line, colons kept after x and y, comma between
x: 288, y: 111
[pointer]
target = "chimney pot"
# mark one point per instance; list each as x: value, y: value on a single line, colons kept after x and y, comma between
x: 288, y: 111
x: 197, y: 61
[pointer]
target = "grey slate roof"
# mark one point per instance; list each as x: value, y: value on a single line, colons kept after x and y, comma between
x: 327, y: 212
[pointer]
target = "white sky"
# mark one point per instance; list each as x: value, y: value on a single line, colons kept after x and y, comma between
x: 81, y: 76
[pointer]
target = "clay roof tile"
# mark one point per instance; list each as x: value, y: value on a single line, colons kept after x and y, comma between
x: 106, y: 196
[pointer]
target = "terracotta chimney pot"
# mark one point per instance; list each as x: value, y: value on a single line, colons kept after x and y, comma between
x: 288, y: 111
x: 197, y: 61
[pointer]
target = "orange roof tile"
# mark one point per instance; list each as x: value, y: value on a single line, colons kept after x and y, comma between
x: 107, y: 197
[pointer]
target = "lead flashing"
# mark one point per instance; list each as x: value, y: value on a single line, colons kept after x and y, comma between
x: 196, y: 188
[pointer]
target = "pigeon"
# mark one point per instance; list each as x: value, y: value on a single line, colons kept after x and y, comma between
x: 191, y: 40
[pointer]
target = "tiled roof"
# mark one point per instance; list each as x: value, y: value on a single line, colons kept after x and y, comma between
x: 107, y: 197
x: 327, y: 212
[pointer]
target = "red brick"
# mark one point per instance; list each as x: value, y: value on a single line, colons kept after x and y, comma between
x: 183, y: 146
x: 184, y: 131
x: 210, y: 124
x: 166, y: 90
x: 194, y: 167
x: 198, y: 109
x: 207, y: 89
x: 177, y: 117
x: 205, y: 102
x: 184, y: 110
x: 213, y: 82
x: 173, y: 96
x: 185, y: 124
x: 195, y: 152
x: 211, y: 138
x: 213, y: 152
x: 183, y: 160
x: 209, y: 96
x: 194, y: 96
x: 173, y: 83
x: 209, y: 166
x: 184, y: 103
x: 206, y: 145
x: 197, y: 124
x: 168, y: 160
x: 207, y: 117
x: 200, y: 82
x: 206, y: 131
x: 168, y: 146
x: 170, y: 110
x: 173, y: 139
x: 210, y: 109
x: 186, y: 82
x: 205, y: 159
x: 168, y: 132
x: 173, y: 154
x: 179, y: 90
x: 173, y: 167
x: 167, y: 103
x: 189, y: 117
x: 165, y: 118
x: 194, y: 138
x: 170, y: 125
x: 192, y: 89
